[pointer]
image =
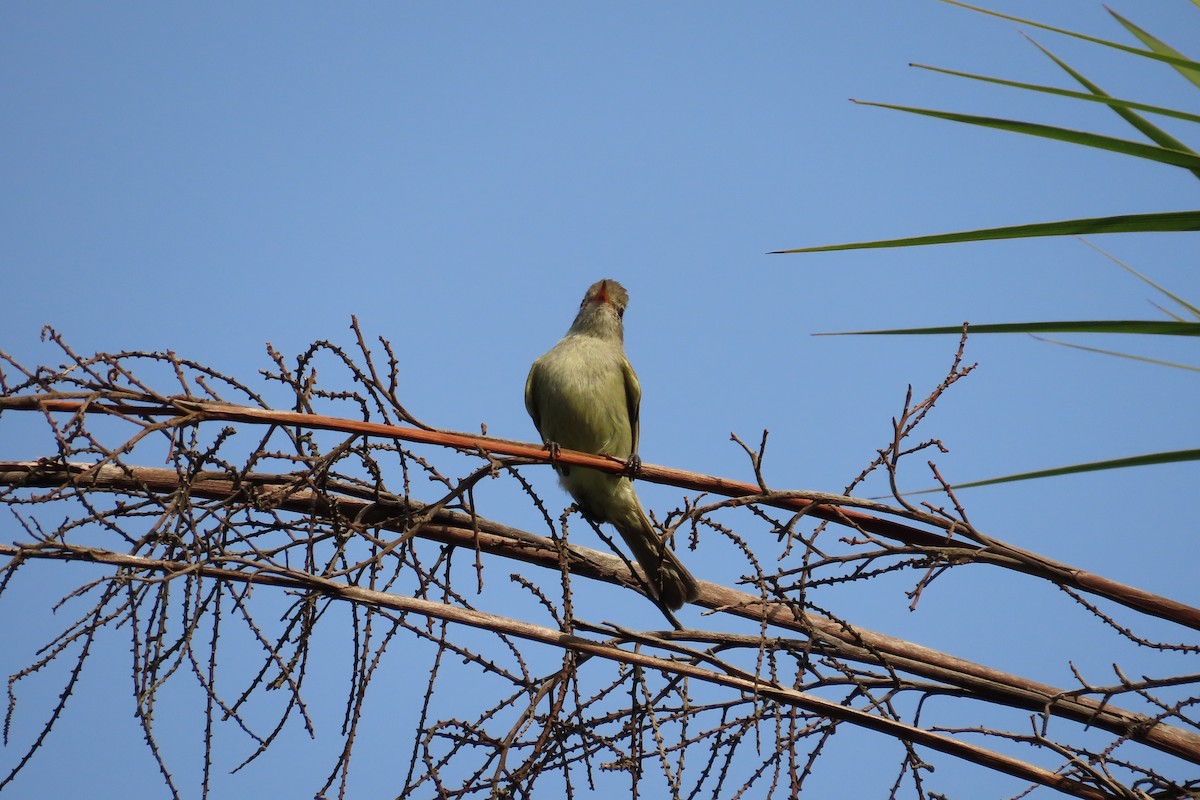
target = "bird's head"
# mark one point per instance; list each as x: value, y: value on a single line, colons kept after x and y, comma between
x: 602, y: 308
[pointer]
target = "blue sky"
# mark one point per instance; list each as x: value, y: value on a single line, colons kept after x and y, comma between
x: 210, y: 178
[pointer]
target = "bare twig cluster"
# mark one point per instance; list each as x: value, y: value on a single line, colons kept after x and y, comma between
x: 217, y: 522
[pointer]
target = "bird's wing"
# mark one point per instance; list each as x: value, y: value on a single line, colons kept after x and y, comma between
x: 531, y: 404
x: 633, y: 399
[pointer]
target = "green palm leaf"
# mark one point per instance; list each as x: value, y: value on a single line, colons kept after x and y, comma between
x: 1163, y: 148
x: 1129, y: 223
x: 1131, y: 326
x: 1102, y: 351
x: 1149, y: 459
x: 1186, y: 68
x: 1168, y: 56
x: 1191, y: 309
x: 1148, y: 129
x: 1166, y: 155
x: 1105, y: 99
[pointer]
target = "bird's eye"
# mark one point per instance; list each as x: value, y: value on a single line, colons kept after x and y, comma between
x: 620, y: 313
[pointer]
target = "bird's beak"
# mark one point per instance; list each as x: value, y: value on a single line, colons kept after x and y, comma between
x: 602, y: 294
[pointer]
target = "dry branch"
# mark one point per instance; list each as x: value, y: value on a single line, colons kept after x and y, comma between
x: 830, y: 636
x: 252, y: 496
x: 302, y: 581
x: 839, y: 509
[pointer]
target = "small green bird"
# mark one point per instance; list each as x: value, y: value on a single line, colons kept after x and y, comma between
x: 584, y: 395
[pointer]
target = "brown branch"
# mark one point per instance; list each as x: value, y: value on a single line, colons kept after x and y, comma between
x: 852, y: 643
x: 292, y: 579
x: 831, y: 507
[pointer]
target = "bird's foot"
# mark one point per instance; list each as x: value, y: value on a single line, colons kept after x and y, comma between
x: 554, y: 448
x: 634, y: 466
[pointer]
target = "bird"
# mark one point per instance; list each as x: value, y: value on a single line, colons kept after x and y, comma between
x: 583, y: 394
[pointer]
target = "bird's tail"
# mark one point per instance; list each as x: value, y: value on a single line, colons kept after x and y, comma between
x: 674, y: 584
